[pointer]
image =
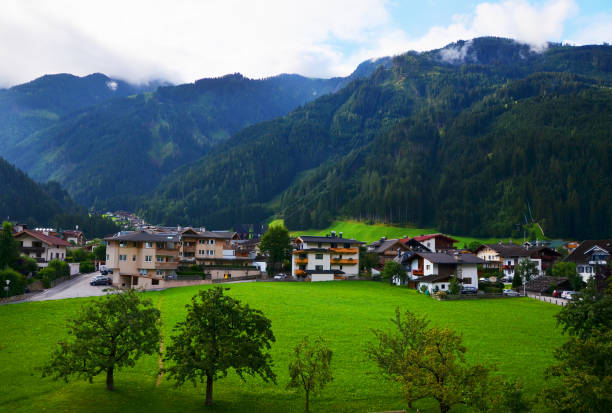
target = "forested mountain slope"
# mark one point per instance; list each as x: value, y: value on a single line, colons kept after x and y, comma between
x: 463, y: 138
x: 120, y: 148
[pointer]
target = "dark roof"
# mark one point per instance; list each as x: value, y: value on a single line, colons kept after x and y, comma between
x: 382, y: 246
x: 209, y: 234
x: 415, y: 245
x: 433, y: 278
x: 313, y: 238
x: 404, y: 257
x: 543, y: 283
x: 142, y: 236
x: 430, y: 236
x: 47, y: 239
x: 450, y: 258
x: 578, y: 255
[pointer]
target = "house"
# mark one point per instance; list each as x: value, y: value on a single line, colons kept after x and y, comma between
x: 325, y: 258
x: 43, y: 248
x: 218, y: 252
x: 74, y: 237
x: 435, y: 242
x: 507, y: 256
x: 435, y: 269
x: 387, y: 249
x: 141, y: 259
x: 543, y: 284
x: 591, y: 256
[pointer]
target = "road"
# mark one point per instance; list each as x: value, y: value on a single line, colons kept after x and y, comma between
x: 76, y: 287
x: 553, y: 300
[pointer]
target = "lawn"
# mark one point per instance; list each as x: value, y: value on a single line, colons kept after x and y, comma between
x: 369, y: 233
x: 516, y: 334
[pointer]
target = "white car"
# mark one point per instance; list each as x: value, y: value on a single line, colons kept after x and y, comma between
x: 511, y: 293
x: 569, y: 295
x: 280, y: 276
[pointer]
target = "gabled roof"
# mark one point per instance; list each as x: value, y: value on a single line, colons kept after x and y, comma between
x: 450, y: 258
x: 543, y: 283
x: 581, y: 253
x: 508, y: 250
x: 72, y: 232
x: 47, y: 239
x: 142, y: 236
x: 313, y: 238
x: 422, y: 238
x: 191, y: 233
x: 433, y: 278
x: 384, y: 245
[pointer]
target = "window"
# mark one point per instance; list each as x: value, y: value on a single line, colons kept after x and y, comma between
x: 334, y: 245
x: 107, y: 257
x: 148, y: 245
x: 159, y: 272
x: 135, y: 281
x: 123, y: 244
x: 148, y: 258
x: 580, y: 268
x: 160, y: 245
x: 319, y: 256
x: 427, y: 266
x: 142, y: 272
x: 122, y: 257
x: 210, y: 252
x: 319, y: 244
x: 211, y: 242
x: 57, y: 255
x: 347, y: 245
x: 318, y: 267
x: 341, y: 267
x: 133, y: 257
x: 160, y: 258
x: 154, y: 281
x: 201, y: 241
x: 443, y: 286
x: 467, y: 280
x: 201, y: 252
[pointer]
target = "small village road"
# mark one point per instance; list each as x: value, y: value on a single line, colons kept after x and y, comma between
x: 76, y: 287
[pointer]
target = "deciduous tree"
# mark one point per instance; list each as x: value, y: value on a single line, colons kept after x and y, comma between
x: 219, y: 334
x: 394, y: 271
x: 311, y: 367
x: 276, y: 243
x: 110, y: 333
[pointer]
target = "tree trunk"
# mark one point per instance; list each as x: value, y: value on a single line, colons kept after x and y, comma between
x: 109, y: 379
x: 444, y: 407
x: 209, y: 388
x: 307, y: 401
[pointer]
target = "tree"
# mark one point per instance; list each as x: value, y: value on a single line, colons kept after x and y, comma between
x: 582, y: 378
x: 100, y: 252
x: 218, y: 334
x: 455, y: 286
x: 17, y: 284
x: 428, y: 362
x: 526, y: 269
x: 109, y: 334
x: 276, y: 243
x: 568, y: 270
x: 517, y: 281
x: 367, y: 260
x: 311, y: 367
x: 9, y: 249
x: 394, y: 271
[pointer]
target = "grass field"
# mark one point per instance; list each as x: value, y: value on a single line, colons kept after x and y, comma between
x: 369, y: 233
x: 518, y: 335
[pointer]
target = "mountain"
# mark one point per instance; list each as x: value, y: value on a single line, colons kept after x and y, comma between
x: 122, y: 147
x: 467, y: 138
x: 23, y: 199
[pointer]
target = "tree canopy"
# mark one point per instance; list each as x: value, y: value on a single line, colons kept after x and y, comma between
x: 276, y: 243
x: 219, y: 334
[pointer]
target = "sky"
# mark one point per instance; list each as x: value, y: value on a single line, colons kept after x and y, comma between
x: 184, y: 40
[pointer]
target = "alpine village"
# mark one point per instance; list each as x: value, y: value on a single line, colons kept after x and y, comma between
x: 429, y: 233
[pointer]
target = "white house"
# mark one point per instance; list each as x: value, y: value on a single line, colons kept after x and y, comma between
x: 325, y: 258
x: 43, y: 248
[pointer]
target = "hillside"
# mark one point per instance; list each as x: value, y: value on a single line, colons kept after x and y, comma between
x: 122, y: 147
x: 464, y: 144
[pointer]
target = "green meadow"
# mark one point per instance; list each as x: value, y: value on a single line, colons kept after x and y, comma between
x: 372, y: 232
x: 517, y: 335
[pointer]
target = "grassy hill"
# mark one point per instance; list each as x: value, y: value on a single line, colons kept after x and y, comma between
x: 516, y: 334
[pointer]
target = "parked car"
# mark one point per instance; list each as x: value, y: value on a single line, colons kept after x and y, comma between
x: 280, y: 276
x: 104, y: 272
x: 469, y: 290
x: 569, y: 295
x: 511, y: 293
x: 101, y: 280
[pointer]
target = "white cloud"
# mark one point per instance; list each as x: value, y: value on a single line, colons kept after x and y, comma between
x: 596, y: 30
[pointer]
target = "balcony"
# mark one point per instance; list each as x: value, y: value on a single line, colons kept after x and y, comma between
x: 166, y: 265
x: 301, y: 261
x: 300, y: 273
x: 35, y: 250
x: 344, y: 261
x: 598, y: 262
x: 418, y: 271
x: 345, y: 250
x: 508, y: 267
x: 170, y: 252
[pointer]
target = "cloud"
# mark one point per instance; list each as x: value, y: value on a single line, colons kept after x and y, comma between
x: 595, y: 30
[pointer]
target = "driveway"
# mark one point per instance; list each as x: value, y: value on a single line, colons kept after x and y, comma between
x: 76, y: 287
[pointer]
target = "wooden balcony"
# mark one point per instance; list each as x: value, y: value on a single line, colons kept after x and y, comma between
x: 301, y: 261
x: 35, y: 250
x: 344, y: 261
x: 418, y: 271
x: 300, y: 273
x: 345, y: 250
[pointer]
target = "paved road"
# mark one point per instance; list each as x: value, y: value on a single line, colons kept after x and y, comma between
x: 77, y: 287
x: 553, y: 300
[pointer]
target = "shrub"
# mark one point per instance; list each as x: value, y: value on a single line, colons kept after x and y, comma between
x: 86, y: 267
x: 17, y: 285
x: 56, y: 269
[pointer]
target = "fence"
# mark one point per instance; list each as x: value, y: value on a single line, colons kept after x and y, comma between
x: 553, y: 300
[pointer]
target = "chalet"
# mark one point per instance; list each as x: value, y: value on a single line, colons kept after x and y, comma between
x: 74, y: 237
x: 435, y: 269
x: 507, y: 256
x: 591, y: 256
x: 43, y: 248
x: 325, y: 258
x: 545, y: 284
x: 387, y: 249
x: 435, y: 242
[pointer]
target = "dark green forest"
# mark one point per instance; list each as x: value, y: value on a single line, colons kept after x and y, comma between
x: 467, y: 147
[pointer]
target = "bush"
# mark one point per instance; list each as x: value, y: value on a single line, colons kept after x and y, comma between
x: 56, y: 269
x: 86, y: 267
x: 17, y: 285
x: 491, y: 288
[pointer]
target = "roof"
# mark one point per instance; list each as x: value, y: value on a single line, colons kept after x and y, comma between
x: 190, y: 232
x: 543, y: 283
x: 430, y: 236
x: 383, y: 245
x: 47, y: 239
x: 580, y: 254
x: 140, y: 236
x: 433, y: 278
x: 509, y: 250
x: 313, y: 238
x: 73, y: 232
x: 450, y: 258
